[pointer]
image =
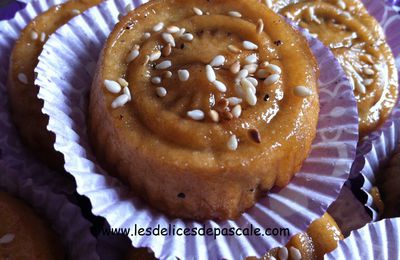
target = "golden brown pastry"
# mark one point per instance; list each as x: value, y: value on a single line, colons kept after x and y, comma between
x: 322, y: 237
x: 196, y: 108
x: 25, y: 106
x: 25, y: 235
x: 358, y: 42
x: 388, y: 182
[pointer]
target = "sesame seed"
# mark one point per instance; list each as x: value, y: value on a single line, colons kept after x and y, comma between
x: 7, y: 238
x: 146, y: 59
x: 214, y: 115
x: 42, y: 36
x: 168, y: 38
x: 196, y: 114
x: 22, y: 78
x: 262, y: 73
x: 295, y: 253
x: 255, y: 135
x: 123, y: 82
x: 34, y: 35
x: 75, y: 11
x: 366, y: 58
x: 253, y: 81
x: 210, y: 73
x: 271, y: 79
x: 158, y: 27
x: 249, y: 46
x: 120, y: 101
x: 167, y: 74
x: 146, y: 35
x: 243, y: 73
x: 232, y: 143
x: 283, y: 253
x: 166, y: 51
x: 173, y: 29
x: 164, y: 65
x: 368, y: 82
x: 264, y: 64
x: 302, y: 91
x: 181, y: 32
x: 368, y: 71
x: 155, y: 56
x: 235, y: 14
x: 127, y: 92
x: 183, y: 75
x: 237, y: 111
x: 187, y: 37
x: 132, y: 55
x: 155, y: 80
x: 234, y: 49
x: 260, y: 26
x: 246, y: 84
x: 221, y: 105
x: 341, y: 4
x: 220, y: 86
x: 161, y: 91
x: 197, y: 11
x: 235, y: 67
x: 360, y: 87
x: 251, y: 68
x: 128, y: 8
x: 274, y: 69
x: 112, y: 86
x: 218, y: 60
x: 251, y: 59
x: 249, y: 92
x: 234, y: 101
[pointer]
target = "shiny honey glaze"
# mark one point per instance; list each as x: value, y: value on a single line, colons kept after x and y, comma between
x: 151, y: 139
x: 359, y: 44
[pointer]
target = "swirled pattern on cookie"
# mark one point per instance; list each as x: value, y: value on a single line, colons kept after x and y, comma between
x: 197, y: 108
x: 358, y: 42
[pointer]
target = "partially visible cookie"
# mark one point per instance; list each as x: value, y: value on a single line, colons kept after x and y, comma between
x: 25, y: 106
x: 24, y: 234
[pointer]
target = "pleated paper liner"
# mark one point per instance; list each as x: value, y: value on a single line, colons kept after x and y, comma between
x: 379, y: 240
x: 64, y: 217
x: 375, y: 150
x: 65, y: 74
x: 13, y: 153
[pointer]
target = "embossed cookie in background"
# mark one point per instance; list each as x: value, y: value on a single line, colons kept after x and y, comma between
x: 65, y: 218
x: 374, y: 150
x: 65, y: 75
x: 14, y: 155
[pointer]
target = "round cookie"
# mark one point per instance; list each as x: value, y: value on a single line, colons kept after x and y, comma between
x: 25, y: 235
x: 201, y: 114
x: 358, y: 42
x: 25, y: 106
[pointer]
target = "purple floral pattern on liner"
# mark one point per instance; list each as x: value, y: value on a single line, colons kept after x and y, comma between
x: 14, y: 155
x: 374, y: 151
x: 64, y: 76
x: 378, y: 240
x: 65, y: 218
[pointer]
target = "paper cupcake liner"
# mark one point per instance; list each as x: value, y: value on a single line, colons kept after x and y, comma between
x: 375, y: 149
x: 65, y: 218
x: 379, y: 240
x: 14, y: 155
x: 64, y: 76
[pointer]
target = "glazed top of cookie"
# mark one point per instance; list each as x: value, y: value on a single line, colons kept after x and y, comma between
x: 208, y: 75
x: 358, y: 42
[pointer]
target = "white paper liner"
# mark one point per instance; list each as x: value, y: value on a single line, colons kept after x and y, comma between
x: 13, y: 153
x: 375, y: 149
x: 64, y: 217
x: 64, y: 76
x: 379, y: 240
